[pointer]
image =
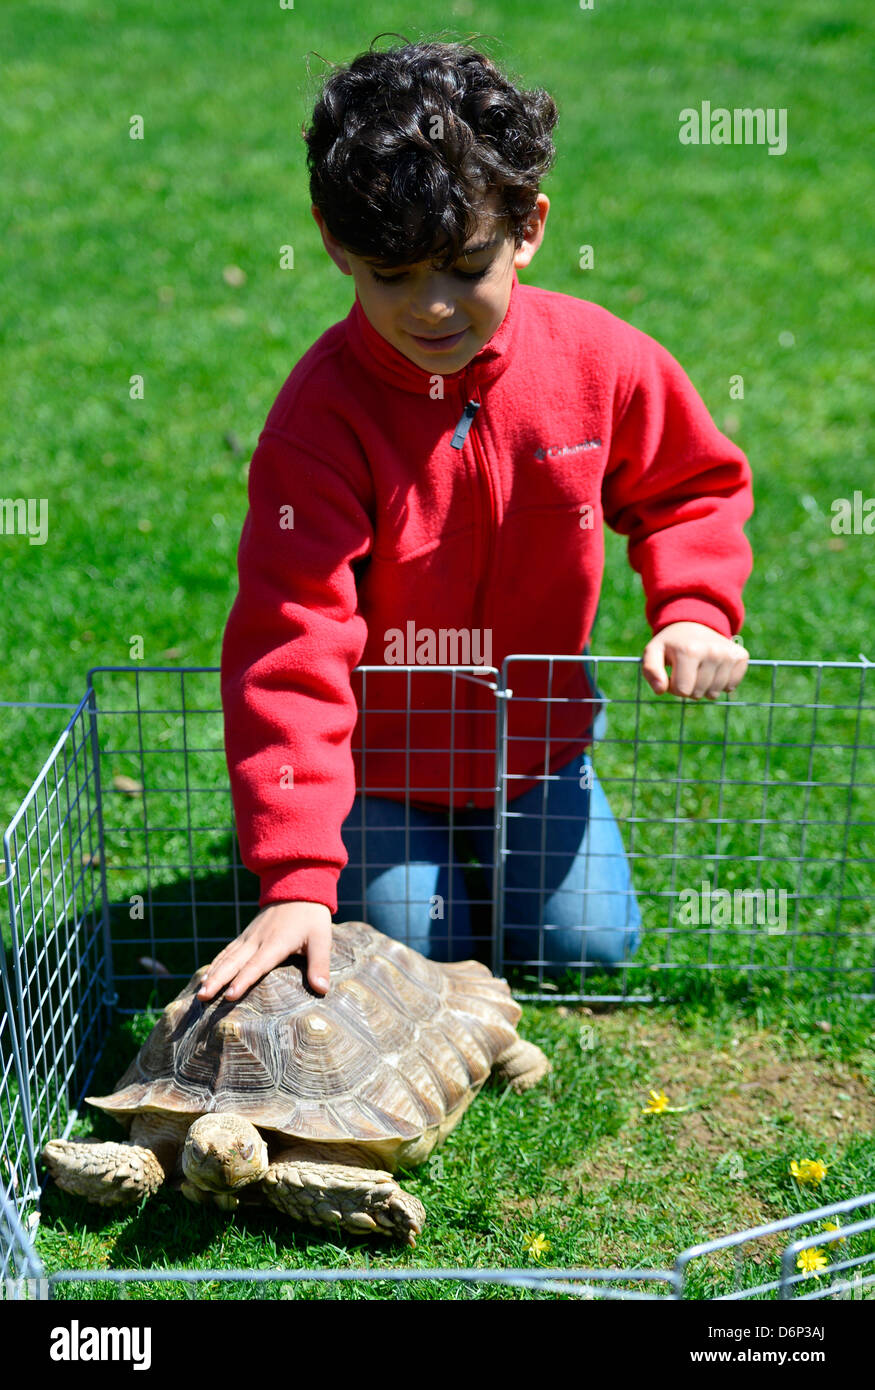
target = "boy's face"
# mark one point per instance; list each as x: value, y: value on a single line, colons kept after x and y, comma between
x: 441, y: 319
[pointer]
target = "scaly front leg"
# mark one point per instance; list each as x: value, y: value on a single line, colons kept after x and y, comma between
x: 308, y: 1183
x: 116, y: 1174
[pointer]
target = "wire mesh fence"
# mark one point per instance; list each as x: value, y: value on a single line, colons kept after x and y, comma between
x: 836, y: 1261
x: 21, y: 1271
x: 585, y: 838
x: 830, y: 1257
x: 633, y: 1285
x: 746, y: 822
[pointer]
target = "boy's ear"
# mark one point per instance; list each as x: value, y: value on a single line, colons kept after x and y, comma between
x: 334, y: 248
x: 534, y: 234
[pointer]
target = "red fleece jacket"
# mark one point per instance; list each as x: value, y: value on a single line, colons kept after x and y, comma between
x: 365, y: 517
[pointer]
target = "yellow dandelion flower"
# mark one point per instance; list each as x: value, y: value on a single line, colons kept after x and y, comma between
x: 811, y: 1261
x: 657, y: 1103
x: 810, y: 1170
x: 831, y: 1226
x: 536, y: 1245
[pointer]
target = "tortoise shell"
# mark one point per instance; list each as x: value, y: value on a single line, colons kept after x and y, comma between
x: 390, y: 1057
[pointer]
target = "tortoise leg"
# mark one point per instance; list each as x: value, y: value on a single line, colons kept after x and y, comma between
x: 521, y: 1066
x: 115, y: 1174
x: 334, y: 1184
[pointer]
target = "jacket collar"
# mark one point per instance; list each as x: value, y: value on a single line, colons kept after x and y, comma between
x: 381, y: 357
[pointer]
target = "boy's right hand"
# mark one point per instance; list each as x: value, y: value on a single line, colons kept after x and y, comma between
x: 279, y: 930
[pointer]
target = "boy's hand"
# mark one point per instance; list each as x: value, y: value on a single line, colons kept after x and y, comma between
x: 280, y: 930
x: 702, y: 661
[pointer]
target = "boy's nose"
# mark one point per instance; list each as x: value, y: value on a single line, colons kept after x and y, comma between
x: 433, y: 321
x: 431, y: 306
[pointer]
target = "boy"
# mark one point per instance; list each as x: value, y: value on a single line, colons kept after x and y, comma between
x: 445, y: 456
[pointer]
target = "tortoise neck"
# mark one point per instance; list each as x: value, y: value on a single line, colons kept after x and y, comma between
x: 163, y: 1133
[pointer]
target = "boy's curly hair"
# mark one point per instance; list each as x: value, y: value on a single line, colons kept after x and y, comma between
x: 397, y: 186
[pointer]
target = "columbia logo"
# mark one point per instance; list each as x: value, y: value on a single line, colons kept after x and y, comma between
x: 557, y: 450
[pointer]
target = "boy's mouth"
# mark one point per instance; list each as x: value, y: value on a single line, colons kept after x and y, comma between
x: 441, y: 344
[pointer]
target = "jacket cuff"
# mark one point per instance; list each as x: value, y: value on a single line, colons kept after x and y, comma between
x: 691, y: 610
x: 309, y: 883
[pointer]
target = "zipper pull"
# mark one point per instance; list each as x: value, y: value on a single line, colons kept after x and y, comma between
x: 464, y: 424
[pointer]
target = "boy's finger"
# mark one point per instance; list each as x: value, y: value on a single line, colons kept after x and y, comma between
x: 739, y: 670
x: 720, y: 679
x: 653, y: 666
x: 706, y: 677
x: 319, y: 961
x: 729, y: 674
x: 224, y: 968
x: 260, y: 962
x: 249, y: 975
x: 218, y: 974
x: 684, y: 671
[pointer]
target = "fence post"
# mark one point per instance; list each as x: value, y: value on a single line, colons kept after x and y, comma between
x: 499, y: 841
x: 110, y: 997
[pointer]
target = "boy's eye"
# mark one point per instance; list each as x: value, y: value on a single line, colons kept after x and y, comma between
x: 462, y: 274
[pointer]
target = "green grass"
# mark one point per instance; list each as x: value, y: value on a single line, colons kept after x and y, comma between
x: 576, y: 1159
x: 113, y: 254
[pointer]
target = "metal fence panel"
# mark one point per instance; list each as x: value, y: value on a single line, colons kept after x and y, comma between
x: 56, y: 967
x: 123, y: 874
x: 589, y: 1284
x: 755, y: 1252
x: 21, y: 1272
x: 747, y: 821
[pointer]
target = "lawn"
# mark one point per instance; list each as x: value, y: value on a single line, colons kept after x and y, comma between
x: 757, y: 1081
x: 160, y: 258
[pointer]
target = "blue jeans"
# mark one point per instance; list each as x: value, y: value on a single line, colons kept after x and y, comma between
x: 568, y: 898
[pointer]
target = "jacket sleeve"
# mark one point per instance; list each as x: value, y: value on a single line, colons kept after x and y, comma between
x: 681, y: 491
x: 292, y: 639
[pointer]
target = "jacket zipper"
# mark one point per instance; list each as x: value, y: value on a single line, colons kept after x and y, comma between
x: 463, y: 429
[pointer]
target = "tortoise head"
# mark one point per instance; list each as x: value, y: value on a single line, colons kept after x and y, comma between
x: 223, y: 1153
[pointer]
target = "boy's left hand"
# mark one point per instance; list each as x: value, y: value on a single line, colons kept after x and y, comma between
x: 702, y: 661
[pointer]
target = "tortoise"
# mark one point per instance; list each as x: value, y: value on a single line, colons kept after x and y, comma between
x: 309, y: 1103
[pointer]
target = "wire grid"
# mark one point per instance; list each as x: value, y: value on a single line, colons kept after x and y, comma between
x: 21, y: 1272
x: 843, y: 1265
x: 646, y: 1284
x: 746, y: 822
x: 56, y: 968
x: 762, y: 1268
x: 134, y: 799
